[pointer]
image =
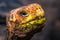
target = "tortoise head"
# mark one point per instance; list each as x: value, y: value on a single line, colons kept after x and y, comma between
x: 25, y: 19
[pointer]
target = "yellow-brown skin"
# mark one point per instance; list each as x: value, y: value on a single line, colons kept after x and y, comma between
x: 33, y: 11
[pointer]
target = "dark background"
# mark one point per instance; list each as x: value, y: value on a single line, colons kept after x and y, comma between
x: 51, y: 8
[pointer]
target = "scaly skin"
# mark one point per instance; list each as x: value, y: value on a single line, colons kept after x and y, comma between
x: 25, y: 19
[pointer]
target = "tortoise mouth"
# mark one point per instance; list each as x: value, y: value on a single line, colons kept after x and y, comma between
x: 23, y: 29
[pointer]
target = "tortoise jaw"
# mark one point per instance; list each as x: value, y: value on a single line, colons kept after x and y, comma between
x: 24, y: 29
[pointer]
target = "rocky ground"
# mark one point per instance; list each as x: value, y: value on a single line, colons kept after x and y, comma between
x: 3, y: 33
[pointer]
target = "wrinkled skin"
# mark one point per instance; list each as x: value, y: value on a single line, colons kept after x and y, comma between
x: 23, y: 20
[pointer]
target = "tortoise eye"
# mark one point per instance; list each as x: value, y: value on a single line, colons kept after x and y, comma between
x: 23, y: 13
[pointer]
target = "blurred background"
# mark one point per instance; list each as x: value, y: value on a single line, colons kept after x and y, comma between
x: 51, y: 8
